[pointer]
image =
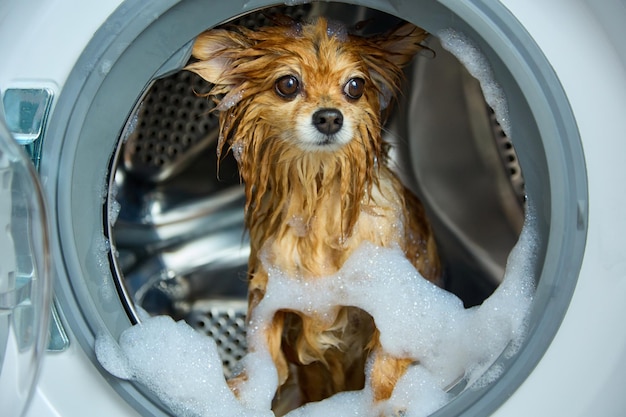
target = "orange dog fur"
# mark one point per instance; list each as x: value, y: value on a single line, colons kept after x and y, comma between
x: 302, y: 108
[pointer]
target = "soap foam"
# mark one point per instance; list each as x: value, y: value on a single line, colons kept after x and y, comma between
x: 468, y: 53
x: 416, y: 319
x: 231, y: 99
x: 179, y: 365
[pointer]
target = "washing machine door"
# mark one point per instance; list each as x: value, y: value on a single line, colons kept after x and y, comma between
x: 24, y: 276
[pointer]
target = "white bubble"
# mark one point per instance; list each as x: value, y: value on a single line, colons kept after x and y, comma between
x: 298, y: 225
x: 477, y: 65
x: 105, y: 67
x: 114, y: 205
x: 295, y: 2
x: 231, y: 99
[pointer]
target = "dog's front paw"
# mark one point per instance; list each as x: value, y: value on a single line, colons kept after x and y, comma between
x: 236, y: 382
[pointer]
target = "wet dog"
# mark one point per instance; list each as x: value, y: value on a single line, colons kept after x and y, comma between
x: 302, y: 109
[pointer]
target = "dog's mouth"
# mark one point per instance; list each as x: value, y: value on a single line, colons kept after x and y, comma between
x: 325, y: 130
x: 328, y: 140
x: 324, y: 144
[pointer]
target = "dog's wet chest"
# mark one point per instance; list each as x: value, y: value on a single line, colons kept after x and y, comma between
x: 319, y: 247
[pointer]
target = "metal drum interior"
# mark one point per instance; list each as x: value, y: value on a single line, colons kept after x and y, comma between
x: 175, y: 222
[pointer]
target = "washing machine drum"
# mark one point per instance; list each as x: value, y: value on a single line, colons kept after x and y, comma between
x: 132, y: 229
x: 25, y: 289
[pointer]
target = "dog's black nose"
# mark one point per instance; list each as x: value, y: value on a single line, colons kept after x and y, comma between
x: 328, y: 121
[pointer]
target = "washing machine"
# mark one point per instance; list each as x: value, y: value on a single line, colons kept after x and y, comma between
x: 113, y: 207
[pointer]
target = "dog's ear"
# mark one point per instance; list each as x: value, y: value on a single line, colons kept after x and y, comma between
x: 396, y: 50
x: 216, y: 50
x: 401, y: 43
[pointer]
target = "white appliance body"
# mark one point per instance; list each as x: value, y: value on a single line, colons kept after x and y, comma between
x: 582, y: 370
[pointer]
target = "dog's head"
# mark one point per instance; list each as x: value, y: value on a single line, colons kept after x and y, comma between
x: 315, y: 87
x: 309, y: 96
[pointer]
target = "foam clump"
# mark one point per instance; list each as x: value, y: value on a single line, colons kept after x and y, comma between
x: 466, y: 51
x: 176, y: 363
x: 415, y: 318
x: 231, y: 99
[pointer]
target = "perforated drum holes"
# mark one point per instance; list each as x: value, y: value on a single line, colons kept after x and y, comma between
x: 225, y: 322
x: 175, y: 123
x: 509, y: 158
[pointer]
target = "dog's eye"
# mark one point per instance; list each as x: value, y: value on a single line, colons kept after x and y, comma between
x: 354, y: 88
x: 287, y: 86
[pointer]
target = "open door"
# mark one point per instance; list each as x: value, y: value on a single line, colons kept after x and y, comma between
x: 25, y: 289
